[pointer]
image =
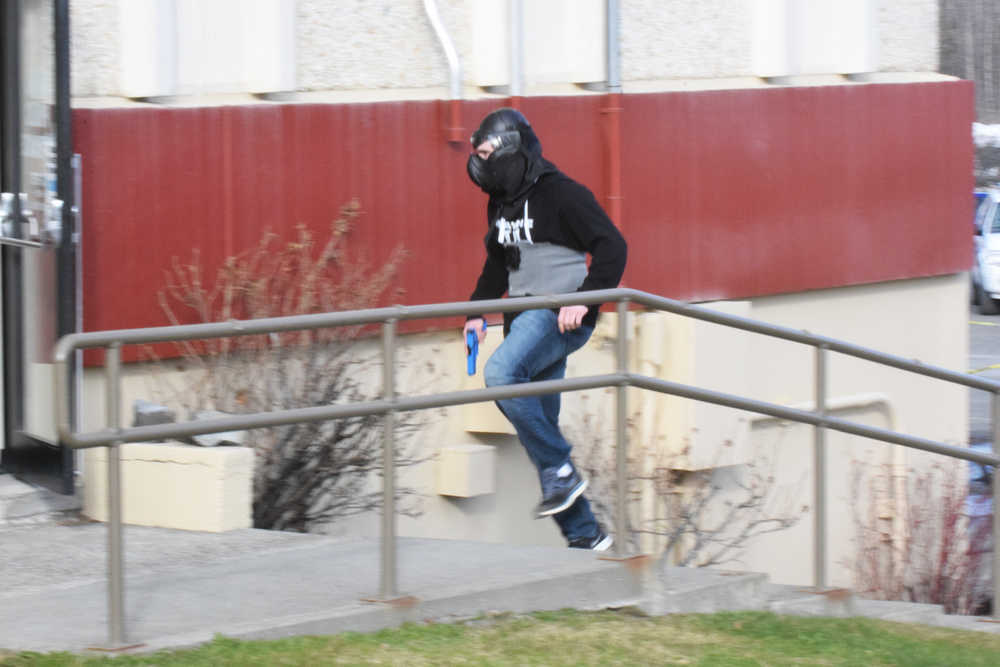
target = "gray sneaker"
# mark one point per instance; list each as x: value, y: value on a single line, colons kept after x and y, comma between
x: 600, y: 542
x: 559, y: 491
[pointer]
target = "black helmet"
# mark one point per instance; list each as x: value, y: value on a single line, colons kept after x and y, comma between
x: 509, y: 129
x: 516, y: 161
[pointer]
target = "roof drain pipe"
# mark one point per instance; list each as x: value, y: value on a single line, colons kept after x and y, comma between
x: 613, y: 114
x: 612, y: 111
x: 516, y: 53
x: 454, y: 131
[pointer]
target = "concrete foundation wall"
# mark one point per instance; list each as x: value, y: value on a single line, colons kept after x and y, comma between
x: 922, y: 319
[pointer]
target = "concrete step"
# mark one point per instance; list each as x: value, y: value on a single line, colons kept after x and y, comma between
x: 25, y: 504
x: 901, y: 612
x: 702, y: 591
x: 799, y: 601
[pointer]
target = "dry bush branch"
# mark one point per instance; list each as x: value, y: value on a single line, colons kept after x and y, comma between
x: 305, y: 474
x: 915, y: 540
x: 699, y: 518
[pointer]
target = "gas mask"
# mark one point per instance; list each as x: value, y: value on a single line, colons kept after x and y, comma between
x: 501, y: 174
x: 498, y: 176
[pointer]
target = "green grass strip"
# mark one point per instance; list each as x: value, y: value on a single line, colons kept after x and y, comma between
x: 591, y: 638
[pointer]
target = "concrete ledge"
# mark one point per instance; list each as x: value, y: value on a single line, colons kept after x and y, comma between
x: 464, y: 471
x: 172, y: 485
x: 703, y: 591
x: 901, y: 612
x: 801, y: 601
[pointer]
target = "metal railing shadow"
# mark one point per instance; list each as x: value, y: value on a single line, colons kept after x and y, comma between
x: 390, y: 403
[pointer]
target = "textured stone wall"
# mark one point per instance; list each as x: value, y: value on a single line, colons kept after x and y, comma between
x: 389, y: 44
x: 676, y: 39
x: 375, y: 43
x: 94, y: 44
x: 908, y: 35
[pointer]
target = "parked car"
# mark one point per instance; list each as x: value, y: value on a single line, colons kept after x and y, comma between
x: 979, y: 509
x: 980, y: 483
x: 985, y: 272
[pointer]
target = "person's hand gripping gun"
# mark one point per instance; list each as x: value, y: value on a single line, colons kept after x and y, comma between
x: 475, y: 331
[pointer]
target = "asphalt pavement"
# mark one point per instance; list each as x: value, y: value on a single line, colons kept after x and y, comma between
x: 984, y: 360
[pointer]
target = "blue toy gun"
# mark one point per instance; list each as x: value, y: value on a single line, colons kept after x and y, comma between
x: 472, y: 349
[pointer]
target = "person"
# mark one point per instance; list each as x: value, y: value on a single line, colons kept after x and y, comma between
x: 541, y: 227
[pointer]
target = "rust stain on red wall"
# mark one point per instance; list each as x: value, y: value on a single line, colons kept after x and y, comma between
x: 727, y: 194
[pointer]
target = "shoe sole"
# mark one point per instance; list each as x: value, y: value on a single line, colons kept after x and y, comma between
x: 566, y: 504
x: 604, y: 544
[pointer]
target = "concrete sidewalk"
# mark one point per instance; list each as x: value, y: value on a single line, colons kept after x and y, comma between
x: 22, y: 503
x: 184, y: 587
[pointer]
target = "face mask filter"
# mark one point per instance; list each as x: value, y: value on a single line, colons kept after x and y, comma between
x: 497, y: 176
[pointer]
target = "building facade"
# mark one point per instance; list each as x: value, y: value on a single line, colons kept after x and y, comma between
x: 803, y: 164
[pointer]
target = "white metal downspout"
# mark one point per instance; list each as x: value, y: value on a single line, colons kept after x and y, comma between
x: 455, y: 132
x: 516, y: 51
x: 454, y: 66
x: 613, y: 57
x: 612, y: 111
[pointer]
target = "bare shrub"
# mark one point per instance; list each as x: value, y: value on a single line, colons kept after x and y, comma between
x: 915, y: 540
x: 306, y: 474
x: 698, y: 518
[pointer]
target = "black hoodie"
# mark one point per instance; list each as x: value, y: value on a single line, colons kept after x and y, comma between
x: 537, y: 241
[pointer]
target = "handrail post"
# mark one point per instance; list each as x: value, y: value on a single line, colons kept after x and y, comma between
x: 388, y: 586
x: 621, y: 432
x: 116, y: 586
x: 996, y: 514
x: 819, y: 475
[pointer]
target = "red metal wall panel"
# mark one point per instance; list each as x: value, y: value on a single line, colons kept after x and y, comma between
x: 727, y: 194
x: 749, y: 192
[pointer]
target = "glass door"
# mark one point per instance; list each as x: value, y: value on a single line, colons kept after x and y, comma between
x: 36, y: 253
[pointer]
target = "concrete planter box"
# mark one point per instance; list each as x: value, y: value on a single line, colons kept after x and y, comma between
x: 172, y: 485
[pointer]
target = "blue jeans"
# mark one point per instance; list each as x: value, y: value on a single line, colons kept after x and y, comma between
x: 535, y: 350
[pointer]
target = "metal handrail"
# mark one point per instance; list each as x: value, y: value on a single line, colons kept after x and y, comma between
x: 427, y: 311
x: 390, y: 403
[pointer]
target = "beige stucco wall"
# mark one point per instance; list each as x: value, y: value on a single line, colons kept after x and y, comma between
x: 908, y: 35
x: 343, y: 45
x: 921, y: 319
x: 917, y: 319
